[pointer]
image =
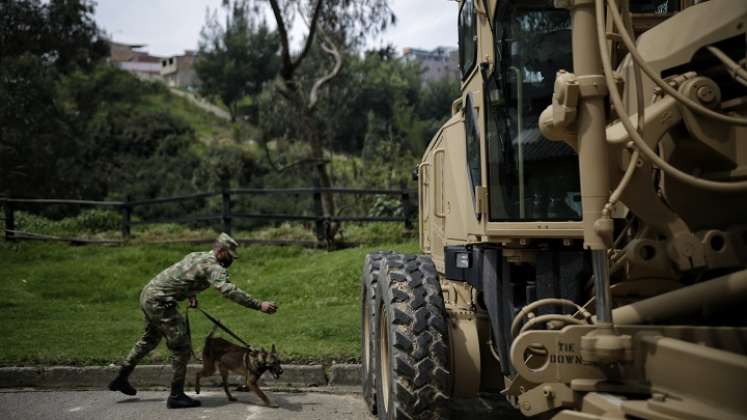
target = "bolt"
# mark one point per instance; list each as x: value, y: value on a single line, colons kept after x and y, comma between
x: 706, y: 94
x: 547, y: 391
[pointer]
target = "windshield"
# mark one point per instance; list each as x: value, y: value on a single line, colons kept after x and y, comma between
x: 530, y: 177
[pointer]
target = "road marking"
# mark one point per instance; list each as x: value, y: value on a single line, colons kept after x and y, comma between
x: 74, y: 409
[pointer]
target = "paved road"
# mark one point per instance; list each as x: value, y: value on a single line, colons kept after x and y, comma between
x: 96, y: 405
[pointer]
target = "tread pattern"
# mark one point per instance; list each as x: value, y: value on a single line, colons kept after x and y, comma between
x: 418, y: 336
x: 370, y: 278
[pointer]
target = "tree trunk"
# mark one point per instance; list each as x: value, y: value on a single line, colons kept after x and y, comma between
x: 329, y: 209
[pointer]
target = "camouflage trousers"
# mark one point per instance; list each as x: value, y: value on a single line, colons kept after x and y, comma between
x: 163, y: 320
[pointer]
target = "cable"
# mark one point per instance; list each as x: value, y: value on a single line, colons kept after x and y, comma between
x: 726, y: 187
x: 615, y: 196
x: 641, y: 110
x: 641, y: 106
x: 630, y: 45
x: 738, y: 73
x: 542, y: 302
x: 550, y: 317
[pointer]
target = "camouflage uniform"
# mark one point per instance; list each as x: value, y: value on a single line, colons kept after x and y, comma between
x: 158, y: 300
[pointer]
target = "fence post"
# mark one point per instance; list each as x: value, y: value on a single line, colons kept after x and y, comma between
x: 226, y: 216
x: 319, y: 213
x: 10, y: 221
x: 126, y: 213
x: 406, y: 207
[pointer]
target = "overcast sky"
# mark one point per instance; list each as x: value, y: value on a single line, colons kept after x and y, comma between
x: 168, y: 27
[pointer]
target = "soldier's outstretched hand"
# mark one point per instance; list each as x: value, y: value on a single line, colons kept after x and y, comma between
x: 268, y: 307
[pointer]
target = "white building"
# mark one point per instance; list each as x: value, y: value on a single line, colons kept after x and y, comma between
x: 439, y: 63
x: 140, y: 63
x: 178, y: 71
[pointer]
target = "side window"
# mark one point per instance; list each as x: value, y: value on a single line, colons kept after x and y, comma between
x: 529, y: 176
x: 467, y: 37
x: 473, y: 144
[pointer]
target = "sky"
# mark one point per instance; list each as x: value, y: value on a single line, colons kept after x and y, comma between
x: 168, y: 27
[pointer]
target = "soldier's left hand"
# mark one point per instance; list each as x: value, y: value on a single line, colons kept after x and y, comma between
x: 192, y: 301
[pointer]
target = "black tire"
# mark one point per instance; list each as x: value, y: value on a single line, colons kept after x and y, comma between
x: 369, y: 289
x: 414, y: 382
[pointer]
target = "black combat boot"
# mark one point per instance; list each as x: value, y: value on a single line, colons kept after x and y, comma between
x: 120, y: 383
x: 178, y: 399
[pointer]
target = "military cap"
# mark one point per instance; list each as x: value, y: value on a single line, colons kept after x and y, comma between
x: 229, y: 243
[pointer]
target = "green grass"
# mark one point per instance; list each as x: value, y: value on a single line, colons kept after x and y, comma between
x: 208, y: 127
x: 79, y: 305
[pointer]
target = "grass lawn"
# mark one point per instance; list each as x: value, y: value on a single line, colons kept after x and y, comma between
x: 64, y: 304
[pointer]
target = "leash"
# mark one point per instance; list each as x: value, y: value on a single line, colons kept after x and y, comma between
x: 219, y: 325
x: 189, y: 334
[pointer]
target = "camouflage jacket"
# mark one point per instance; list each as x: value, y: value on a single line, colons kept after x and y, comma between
x: 193, y: 274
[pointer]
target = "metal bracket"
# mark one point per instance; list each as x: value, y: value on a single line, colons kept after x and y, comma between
x: 546, y: 397
x: 570, y: 4
x: 558, y: 121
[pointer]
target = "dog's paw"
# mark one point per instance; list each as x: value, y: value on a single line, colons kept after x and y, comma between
x: 273, y: 404
x: 242, y: 388
x: 232, y: 399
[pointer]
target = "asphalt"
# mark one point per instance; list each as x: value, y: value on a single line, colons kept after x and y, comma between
x: 96, y: 405
x: 335, y: 403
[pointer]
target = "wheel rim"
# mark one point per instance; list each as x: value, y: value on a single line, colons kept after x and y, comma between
x: 366, y: 337
x: 384, y: 356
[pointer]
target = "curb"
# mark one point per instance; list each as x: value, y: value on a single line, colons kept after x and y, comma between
x: 294, y: 376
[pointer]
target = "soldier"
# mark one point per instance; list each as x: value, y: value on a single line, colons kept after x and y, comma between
x: 158, y: 300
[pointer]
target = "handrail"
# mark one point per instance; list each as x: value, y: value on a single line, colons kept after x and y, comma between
x: 61, y: 201
x: 172, y: 199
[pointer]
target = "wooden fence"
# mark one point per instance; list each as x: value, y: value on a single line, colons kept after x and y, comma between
x: 226, y: 216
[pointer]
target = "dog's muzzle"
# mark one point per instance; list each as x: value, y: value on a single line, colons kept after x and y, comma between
x: 276, y: 372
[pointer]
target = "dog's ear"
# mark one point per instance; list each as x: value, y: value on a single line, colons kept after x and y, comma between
x: 273, y: 351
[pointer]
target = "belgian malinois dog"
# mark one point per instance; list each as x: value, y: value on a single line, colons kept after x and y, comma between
x: 251, y: 364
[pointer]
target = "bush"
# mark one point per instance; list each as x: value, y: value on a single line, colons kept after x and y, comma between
x: 286, y: 231
x: 170, y: 231
x: 88, y: 221
x: 376, y: 233
x: 97, y: 220
x: 387, y: 207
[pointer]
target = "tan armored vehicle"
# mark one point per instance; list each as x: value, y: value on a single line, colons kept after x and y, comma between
x: 583, y: 220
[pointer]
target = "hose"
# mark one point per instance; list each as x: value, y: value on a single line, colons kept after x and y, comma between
x: 641, y: 110
x: 726, y: 187
x: 550, y: 317
x: 543, y: 302
x: 615, y: 196
x: 630, y: 45
x: 737, y: 72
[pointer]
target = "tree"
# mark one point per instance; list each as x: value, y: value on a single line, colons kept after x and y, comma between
x: 236, y: 60
x: 40, y: 44
x: 73, y: 126
x: 332, y: 24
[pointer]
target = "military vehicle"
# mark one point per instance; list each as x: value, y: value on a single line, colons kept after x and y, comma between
x: 582, y: 221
